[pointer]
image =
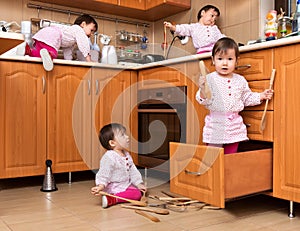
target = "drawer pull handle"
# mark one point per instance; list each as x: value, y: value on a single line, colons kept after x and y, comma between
x: 248, y: 125
x: 192, y: 173
x: 246, y: 66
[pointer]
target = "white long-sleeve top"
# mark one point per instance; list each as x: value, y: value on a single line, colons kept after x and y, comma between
x: 229, y: 96
x: 65, y: 37
x: 204, y: 37
x: 117, y: 172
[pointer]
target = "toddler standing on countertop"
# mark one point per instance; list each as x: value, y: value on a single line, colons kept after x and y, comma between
x: 230, y: 93
x: 48, y: 40
x: 117, y: 174
x: 204, y: 33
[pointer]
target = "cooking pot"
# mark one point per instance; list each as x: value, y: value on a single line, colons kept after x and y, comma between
x: 109, y: 55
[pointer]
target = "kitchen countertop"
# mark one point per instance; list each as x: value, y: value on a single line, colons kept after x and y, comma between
x: 246, y: 48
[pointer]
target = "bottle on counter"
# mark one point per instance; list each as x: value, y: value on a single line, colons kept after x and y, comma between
x: 271, y: 25
x: 296, y: 18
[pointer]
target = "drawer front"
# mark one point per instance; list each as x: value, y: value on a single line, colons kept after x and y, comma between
x: 186, y: 160
x: 259, y: 86
x: 255, y: 65
x: 162, y: 77
x: 206, y: 174
x: 252, y: 119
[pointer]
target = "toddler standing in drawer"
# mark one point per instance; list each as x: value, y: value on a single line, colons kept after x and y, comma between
x: 117, y: 174
x: 228, y: 94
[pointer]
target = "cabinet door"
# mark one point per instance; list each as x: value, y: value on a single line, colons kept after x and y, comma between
x: 286, y: 123
x: 22, y: 119
x: 62, y: 149
x: 114, y: 100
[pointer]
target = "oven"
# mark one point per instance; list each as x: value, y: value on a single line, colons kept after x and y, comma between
x: 161, y: 119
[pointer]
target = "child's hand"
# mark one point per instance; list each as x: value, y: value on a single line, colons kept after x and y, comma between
x: 202, y: 81
x: 95, y: 190
x: 170, y: 25
x: 266, y: 94
x: 142, y: 187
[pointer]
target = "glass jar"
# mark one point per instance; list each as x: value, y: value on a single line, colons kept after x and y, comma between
x: 284, y: 27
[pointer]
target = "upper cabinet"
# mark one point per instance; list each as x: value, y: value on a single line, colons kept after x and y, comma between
x: 148, y: 10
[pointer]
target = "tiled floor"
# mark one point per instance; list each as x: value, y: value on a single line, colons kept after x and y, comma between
x: 23, y: 207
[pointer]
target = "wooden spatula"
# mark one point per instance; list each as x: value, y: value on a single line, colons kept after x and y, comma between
x: 138, y: 203
x: 204, y: 72
x: 263, y: 118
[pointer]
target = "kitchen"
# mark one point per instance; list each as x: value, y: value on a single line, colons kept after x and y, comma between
x: 187, y: 66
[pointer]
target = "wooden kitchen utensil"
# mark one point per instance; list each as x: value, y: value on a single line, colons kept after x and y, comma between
x: 144, y: 198
x: 149, y: 216
x: 164, y: 45
x: 147, y: 209
x: 263, y: 118
x: 204, y: 72
x: 138, y: 203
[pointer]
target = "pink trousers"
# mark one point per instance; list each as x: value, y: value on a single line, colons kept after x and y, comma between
x: 131, y: 192
x: 228, y: 148
x: 37, y: 46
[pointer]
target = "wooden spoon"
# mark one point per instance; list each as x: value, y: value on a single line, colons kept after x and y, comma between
x: 164, y: 45
x: 138, y: 203
x: 147, y: 209
x: 263, y: 118
x: 149, y: 216
x: 203, y: 71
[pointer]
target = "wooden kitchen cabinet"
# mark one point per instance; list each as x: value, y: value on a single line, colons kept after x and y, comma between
x: 134, y: 4
x: 162, y: 77
x: 62, y: 86
x: 140, y: 9
x: 23, y: 106
x: 181, y: 3
x: 286, y: 123
x: 114, y: 98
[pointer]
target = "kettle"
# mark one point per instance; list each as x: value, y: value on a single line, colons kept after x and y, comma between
x: 109, y: 55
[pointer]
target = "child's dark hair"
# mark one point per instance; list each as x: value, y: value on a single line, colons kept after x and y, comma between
x: 108, y: 132
x: 223, y: 44
x: 86, y: 18
x: 206, y: 8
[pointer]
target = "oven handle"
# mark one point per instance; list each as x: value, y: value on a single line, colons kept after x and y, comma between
x: 157, y: 110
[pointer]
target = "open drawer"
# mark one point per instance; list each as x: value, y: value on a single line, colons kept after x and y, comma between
x: 206, y: 174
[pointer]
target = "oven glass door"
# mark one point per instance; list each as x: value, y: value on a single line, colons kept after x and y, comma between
x: 159, y: 125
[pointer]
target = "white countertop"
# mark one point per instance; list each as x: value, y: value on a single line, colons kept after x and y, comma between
x: 246, y: 48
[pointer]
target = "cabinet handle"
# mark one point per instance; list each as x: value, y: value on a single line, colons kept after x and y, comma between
x: 248, y: 125
x: 89, y: 87
x: 192, y: 173
x: 44, y: 84
x: 246, y: 66
x: 97, y: 86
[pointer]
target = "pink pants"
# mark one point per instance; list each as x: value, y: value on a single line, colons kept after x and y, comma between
x: 37, y: 46
x: 228, y: 148
x: 131, y: 192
